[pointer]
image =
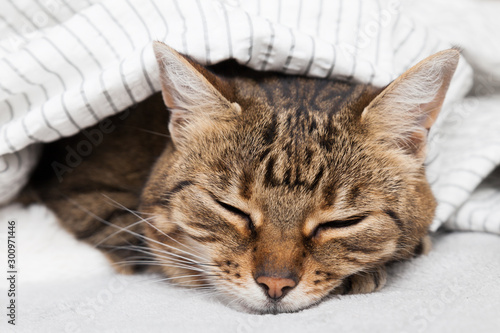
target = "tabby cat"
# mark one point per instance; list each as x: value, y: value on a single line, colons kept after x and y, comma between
x: 274, y: 190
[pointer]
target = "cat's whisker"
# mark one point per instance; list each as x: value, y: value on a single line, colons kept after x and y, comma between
x: 207, y: 289
x: 139, y: 257
x: 179, y: 256
x: 148, y: 131
x: 181, y: 244
x: 132, y: 262
x: 211, y: 293
x: 142, y: 259
x: 143, y: 262
x: 153, y: 226
x: 203, y: 287
x: 173, y: 278
x: 129, y: 231
x: 183, y: 266
x: 118, y: 231
x: 186, y: 264
x: 116, y: 205
x: 180, y: 277
x: 146, y: 250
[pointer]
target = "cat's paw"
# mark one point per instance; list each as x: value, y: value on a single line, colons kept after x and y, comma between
x: 364, y: 282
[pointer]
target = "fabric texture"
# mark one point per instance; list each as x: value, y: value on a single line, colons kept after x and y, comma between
x: 66, y: 64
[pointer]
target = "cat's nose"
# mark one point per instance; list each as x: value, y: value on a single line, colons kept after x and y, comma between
x: 276, y: 287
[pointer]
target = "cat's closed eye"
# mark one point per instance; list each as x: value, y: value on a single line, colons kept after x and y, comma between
x: 337, y: 224
x: 246, y: 217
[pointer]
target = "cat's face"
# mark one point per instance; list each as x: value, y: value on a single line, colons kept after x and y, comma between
x: 275, y: 203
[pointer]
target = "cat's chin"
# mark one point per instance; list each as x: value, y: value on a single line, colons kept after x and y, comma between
x: 263, y: 306
x: 270, y: 307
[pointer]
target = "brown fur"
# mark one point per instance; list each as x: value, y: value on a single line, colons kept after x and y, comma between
x: 260, y: 187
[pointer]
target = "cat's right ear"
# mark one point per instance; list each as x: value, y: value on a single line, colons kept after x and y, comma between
x: 196, y: 98
x: 404, y: 111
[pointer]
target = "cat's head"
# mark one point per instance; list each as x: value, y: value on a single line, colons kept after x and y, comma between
x: 275, y: 193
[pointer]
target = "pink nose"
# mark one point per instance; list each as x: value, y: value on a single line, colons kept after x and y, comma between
x: 276, y: 287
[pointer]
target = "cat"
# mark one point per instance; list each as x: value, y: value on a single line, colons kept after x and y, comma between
x: 276, y: 191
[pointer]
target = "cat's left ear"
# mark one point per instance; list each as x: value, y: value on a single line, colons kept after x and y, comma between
x: 197, y: 99
x: 404, y: 111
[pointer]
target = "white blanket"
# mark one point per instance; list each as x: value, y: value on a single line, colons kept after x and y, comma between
x: 66, y: 64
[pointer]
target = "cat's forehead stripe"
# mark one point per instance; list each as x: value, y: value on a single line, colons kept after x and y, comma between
x: 292, y: 175
x: 304, y: 95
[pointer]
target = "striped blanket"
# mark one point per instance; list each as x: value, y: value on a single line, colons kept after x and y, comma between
x: 66, y: 64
